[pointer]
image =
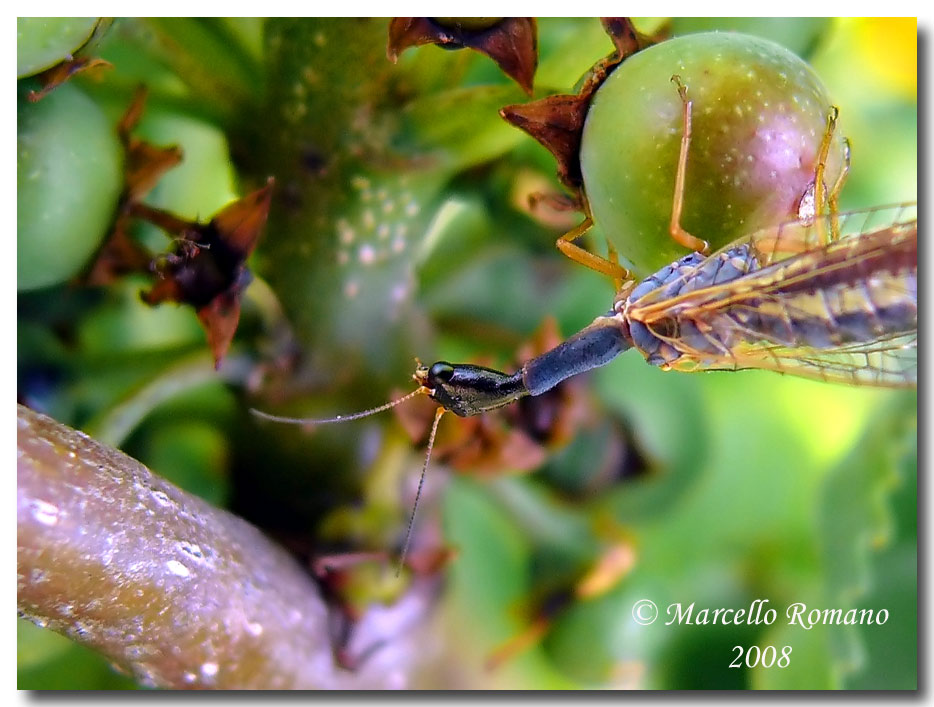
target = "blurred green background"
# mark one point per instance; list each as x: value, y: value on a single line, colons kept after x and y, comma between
x: 719, y: 488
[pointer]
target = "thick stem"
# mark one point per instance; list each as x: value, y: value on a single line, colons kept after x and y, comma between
x: 179, y: 593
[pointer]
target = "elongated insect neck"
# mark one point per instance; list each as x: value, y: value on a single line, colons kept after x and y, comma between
x: 591, y: 347
x: 467, y: 390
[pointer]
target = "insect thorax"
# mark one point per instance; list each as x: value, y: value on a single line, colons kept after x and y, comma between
x: 659, y: 344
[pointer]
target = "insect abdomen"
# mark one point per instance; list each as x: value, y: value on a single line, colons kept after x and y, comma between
x: 858, y: 290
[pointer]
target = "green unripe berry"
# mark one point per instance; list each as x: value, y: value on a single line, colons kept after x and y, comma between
x: 759, y: 115
x: 68, y: 181
x: 42, y: 42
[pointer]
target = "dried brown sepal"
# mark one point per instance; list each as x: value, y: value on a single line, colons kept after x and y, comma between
x: 119, y: 255
x: 535, y: 195
x: 490, y: 445
x: 557, y: 122
x: 560, y: 203
x: 624, y: 36
x: 405, y: 32
x: 182, y: 229
x: 60, y: 73
x: 241, y: 223
x: 206, y: 269
x: 484, y: 444
x: 220, y: 318
x: 511, y: 42
x: 133, y: 113
x: 144, y: 165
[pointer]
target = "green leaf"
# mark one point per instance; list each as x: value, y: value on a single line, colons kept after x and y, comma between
x: 461, y: 127
x: 489, y: 583
x: 48, y: 661
x: 809, y: 663
x: 869, y: 554
x: 114, y: 423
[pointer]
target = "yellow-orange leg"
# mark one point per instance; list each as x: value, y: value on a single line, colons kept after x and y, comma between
x: 821, y: 193
x: 613, y: 257
x: 681, y: 236
x: 832, y: 205
x: 838, y: 185
x: 532, y: 635
x: 611, y: 268
x: 820, y: 188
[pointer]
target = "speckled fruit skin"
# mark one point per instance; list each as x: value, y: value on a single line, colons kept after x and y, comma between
x: 68, y: 180
x: 759, y: 114
x: 42, y: 42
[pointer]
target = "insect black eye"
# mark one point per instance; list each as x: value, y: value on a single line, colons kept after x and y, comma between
x: 441, y: 372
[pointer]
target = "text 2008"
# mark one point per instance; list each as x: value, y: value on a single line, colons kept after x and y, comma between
x: 767, y: 657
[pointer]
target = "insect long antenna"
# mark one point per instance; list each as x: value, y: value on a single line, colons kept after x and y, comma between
x: 418, y: 492
x: 421, y: 390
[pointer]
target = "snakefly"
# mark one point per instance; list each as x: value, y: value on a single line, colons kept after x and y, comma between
x: 832, y: 298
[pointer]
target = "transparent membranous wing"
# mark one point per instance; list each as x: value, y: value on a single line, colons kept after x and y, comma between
x: 787, y: 240
x: 833, y: 299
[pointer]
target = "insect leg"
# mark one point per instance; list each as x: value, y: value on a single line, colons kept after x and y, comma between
x: 835, y: 191
x: 821, y: 194
x: 610, y: 268
x: 681, y: 236
x: 613, y: 257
